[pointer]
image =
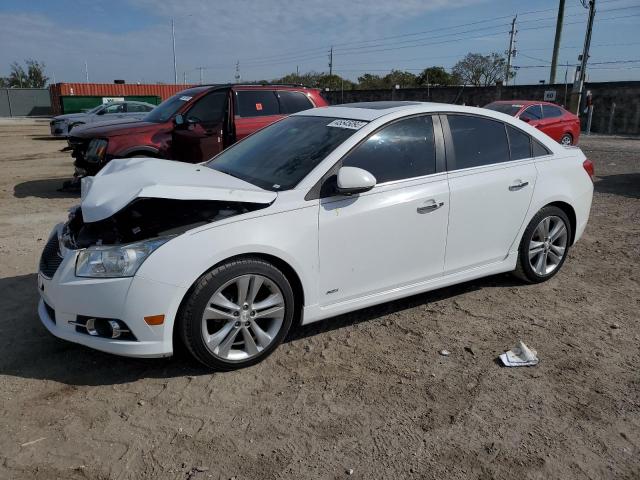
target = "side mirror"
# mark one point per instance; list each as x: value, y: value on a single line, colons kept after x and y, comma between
x: 527, y: 120
x: 352, y: 180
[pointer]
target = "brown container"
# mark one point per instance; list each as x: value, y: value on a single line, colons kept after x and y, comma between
x: 109, y: 90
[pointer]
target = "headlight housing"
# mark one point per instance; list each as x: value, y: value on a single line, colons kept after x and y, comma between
x: 97, y: 150
x: 116, y: 261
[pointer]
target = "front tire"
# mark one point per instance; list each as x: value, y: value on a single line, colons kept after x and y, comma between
x: 237, y: 314
x: 544, y: 245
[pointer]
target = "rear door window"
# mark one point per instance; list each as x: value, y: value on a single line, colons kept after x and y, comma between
x: 477, y: 141
x: 519, y: 143
x: 549, y: 111
x: 404, y: 149
x: 292, y: 102
x: 534, y: 112
x: 256, y: 103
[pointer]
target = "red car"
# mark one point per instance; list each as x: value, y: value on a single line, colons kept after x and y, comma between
x: 555, y: 121
x: 192, y: 126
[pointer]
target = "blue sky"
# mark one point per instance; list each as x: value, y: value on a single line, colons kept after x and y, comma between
x: 131, y: 39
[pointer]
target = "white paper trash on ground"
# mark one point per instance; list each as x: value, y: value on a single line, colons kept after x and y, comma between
x: 520, y: 356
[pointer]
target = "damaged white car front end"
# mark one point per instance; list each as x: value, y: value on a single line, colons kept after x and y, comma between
x: 91, y: 288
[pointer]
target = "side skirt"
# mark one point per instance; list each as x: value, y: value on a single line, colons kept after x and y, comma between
x: 314, y: 313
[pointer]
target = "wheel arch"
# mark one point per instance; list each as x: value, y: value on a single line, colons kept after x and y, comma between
x: 570, y: 212
x: 289, y: 272
x: 139, y: 150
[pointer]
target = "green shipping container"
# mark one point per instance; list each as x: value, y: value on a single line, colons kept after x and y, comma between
x: 79, y: 103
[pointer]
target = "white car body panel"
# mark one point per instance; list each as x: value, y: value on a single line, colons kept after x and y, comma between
x: 486, y: 215
x: 365, y: 249
x: 408, y: 247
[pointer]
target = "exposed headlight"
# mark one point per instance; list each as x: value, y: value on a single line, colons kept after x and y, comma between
x: 97, y: 150
x: 111, y: 261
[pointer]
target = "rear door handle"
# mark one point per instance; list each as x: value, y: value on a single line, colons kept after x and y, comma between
x: 518, y: 186
x: 429, y: 208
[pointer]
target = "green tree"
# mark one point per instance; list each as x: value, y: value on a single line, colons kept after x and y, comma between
x: 398, y: 77
x: 32, y: 77
x: 369, y: 81
x: 481, y: 70
x: 317, y: 80
x: 436, y: 76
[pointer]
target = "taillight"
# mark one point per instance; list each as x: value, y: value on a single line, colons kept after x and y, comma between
x: 588, y: 167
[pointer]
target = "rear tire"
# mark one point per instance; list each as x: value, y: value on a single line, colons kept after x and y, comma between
x: 544, y: 245
x: 237, y: 314
x: 566, y: 139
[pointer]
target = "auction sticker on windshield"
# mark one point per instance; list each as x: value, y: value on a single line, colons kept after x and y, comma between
x: 351, y: 124
x: 185, y: 98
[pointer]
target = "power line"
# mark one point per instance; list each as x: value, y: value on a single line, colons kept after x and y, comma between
x: 307, y: 56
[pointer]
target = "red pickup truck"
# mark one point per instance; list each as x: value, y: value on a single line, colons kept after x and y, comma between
x: 192, y: 126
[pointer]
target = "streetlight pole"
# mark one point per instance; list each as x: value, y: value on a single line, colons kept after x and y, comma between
x: 173, y: 38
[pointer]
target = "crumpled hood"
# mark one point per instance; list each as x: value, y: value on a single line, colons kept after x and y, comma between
x: 123, y: 180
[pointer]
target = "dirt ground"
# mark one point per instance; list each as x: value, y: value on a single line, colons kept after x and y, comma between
x: 367, y: 392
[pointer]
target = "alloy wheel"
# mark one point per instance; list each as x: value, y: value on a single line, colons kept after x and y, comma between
x: 243, y: 317
x: 548, y: 245
x: 565, y: 140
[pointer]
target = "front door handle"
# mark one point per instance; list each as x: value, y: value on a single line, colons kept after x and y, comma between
x: 518, y: 186
x: 429, y: 208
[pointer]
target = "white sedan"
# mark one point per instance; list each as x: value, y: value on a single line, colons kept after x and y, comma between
x: 324, y: 212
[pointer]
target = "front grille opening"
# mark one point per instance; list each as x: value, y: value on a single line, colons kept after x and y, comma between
x: 50, y: 311
x: 103, y: 328
x: 50, y: 259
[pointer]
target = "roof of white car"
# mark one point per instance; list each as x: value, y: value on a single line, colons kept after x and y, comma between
x: 369, y: 111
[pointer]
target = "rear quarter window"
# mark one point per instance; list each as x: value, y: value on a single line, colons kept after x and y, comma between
x: 256, y: 103
x: 540, y: 150
x: 292, y: 102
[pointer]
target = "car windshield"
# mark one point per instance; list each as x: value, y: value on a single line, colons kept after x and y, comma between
x: 278, y: 157
x: 171, y: 105
x: 508, y: 108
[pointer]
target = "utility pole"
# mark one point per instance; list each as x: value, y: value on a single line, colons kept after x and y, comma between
x: 86, y: 71
x: 331, y: 61
x: 173, y: 38
x: 556, y: 43
x: 200, y: 68
x: 184, y: 78
x: 237, y: 75
x: 578, y: 84
x: 512, y: 51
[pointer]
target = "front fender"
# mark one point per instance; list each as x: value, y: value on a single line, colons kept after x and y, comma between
x: 291, y: 236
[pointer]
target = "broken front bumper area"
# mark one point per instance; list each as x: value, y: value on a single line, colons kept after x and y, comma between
x: 68, y: 302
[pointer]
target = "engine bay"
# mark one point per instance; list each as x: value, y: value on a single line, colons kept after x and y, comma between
x: 145, y: 218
